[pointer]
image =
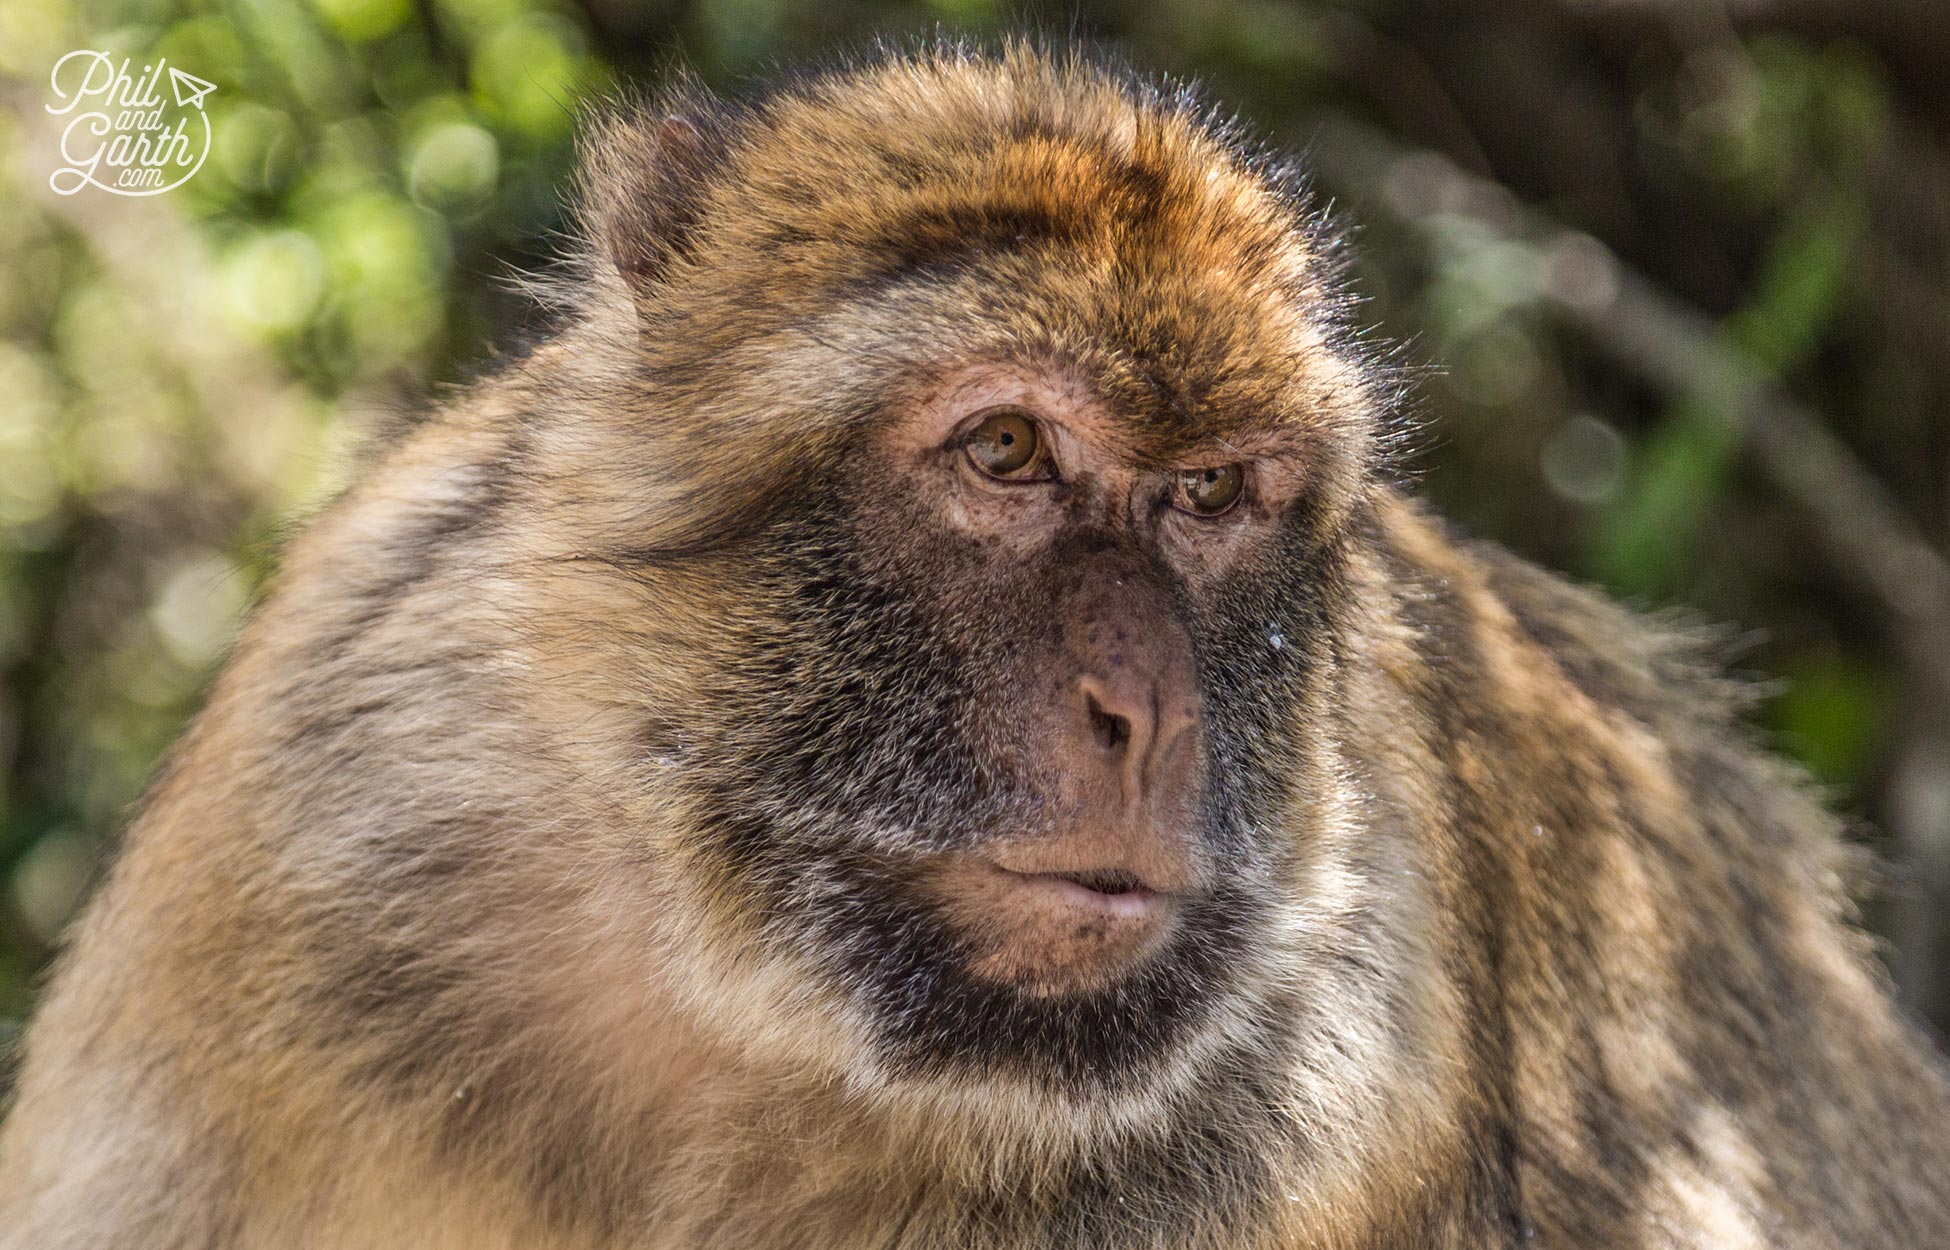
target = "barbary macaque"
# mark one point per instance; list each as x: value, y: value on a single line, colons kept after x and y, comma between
x: 923, y: 717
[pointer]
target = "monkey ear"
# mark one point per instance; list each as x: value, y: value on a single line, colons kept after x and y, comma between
x: 644, y: 172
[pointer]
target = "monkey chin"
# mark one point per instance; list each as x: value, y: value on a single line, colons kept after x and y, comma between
x: 1049, y: 934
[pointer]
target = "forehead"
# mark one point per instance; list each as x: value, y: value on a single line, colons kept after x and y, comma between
x: 1025, y: 211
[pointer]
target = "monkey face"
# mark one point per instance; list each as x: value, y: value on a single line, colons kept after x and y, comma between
x: 1011, y: 762
x: 1067, y: 560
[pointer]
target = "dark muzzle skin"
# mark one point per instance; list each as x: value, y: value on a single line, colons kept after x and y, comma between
x: 1131, y: 725
x: 1070, y: 904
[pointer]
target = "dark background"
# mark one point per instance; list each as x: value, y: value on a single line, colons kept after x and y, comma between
x: 1676, y: 274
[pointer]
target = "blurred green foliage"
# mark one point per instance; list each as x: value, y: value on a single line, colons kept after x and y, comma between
x: 179, y: 375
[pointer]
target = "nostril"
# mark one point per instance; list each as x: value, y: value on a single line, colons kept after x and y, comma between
x: 1112, y: 730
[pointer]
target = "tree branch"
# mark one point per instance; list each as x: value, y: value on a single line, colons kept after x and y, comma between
x: 1866, y: 538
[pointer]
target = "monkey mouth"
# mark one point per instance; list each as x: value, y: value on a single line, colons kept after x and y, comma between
x: 1056, y: 931
x: 1104, y: 880
x: 1112, y: 892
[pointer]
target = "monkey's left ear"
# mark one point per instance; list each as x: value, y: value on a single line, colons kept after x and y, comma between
x: 644, y: 172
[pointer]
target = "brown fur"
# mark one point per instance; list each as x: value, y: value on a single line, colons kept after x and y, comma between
x: 418, y: 939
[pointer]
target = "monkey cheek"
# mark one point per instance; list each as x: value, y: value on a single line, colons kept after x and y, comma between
x: 1048, y: 936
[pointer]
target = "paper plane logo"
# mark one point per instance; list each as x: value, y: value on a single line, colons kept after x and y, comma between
x: 190, y: 89
x: 123, y: 135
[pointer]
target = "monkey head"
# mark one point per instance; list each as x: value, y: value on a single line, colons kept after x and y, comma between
x: 987, y: 485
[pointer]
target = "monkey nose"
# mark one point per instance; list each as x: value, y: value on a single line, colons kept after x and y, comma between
x: 1136, y: 727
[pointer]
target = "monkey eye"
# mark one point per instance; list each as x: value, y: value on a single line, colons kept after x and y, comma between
x: 1209, y: 492
x: 1006, y: 444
